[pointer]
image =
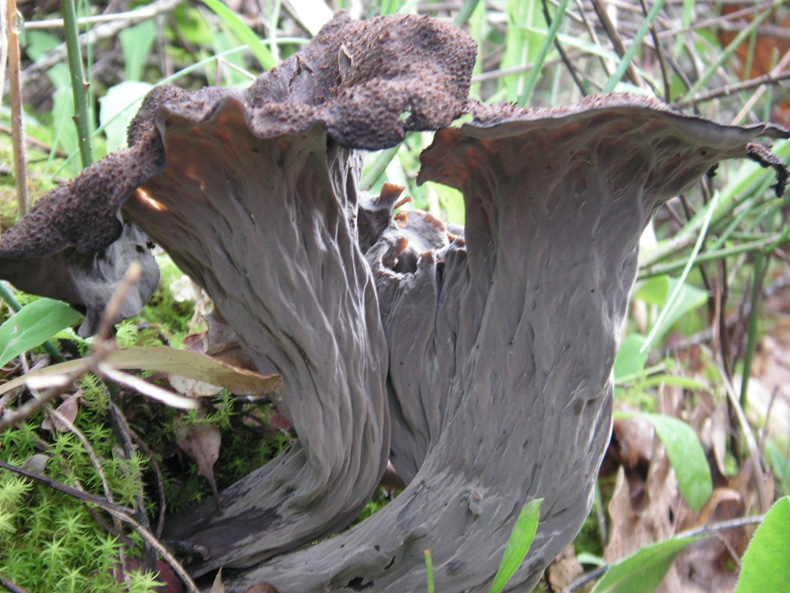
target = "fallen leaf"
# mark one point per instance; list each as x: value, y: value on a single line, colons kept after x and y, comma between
x: 202, y: 443
x: 68, y: 409
x: 163, y: 359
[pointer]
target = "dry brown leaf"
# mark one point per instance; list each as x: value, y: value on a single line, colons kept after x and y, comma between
x: 565, y: 569
x: 202, y: 443
x: 192, y: 387
x: 68, y: 409
x: 633, y: 528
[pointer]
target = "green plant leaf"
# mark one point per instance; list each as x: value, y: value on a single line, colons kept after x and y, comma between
x: 243, y: 32
x: 766, y: 564
x: 630, y: 360
x: 653, y: 291
x: 118, y: 108
x: 686, y: 456
x: 517, y: 547
x: 183, y: 363
x: 643, y: 571
x: 33, y: 325
x: 136, y: 43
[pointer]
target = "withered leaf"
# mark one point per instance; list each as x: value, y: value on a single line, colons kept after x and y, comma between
x: 202, y: 444
x: 68, y: 409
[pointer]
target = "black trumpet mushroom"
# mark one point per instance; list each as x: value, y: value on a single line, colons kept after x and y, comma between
x: 477, y: 360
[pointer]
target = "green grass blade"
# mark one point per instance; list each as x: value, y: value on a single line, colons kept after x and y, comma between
x: 429, y: 570
x: 643, y: 571
x: 243, y: 32
x: 466, y: 11
x: 659, y: 326
x: 548, y: 43
x: 33, y: 325
x: 637, y: 41
x: 520, y: 541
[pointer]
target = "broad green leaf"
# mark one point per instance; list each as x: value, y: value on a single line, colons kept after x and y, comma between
x: 243, y: 32
x: 766, y: 564
x: 643, y: 571
x: 183, y: 363
x: 118, y: 108
x: 653, y: 291
x: 136, y: 43
x: 686, y: 456
x: 33, y: 325
x: 517, y: 547
x: 630, y: 359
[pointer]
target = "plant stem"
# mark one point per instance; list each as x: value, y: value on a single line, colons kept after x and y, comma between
x: 548, y: 43
x: 637, y: 41
x: 766, y: 244
x: 78, y: 83
x: 372, y: 175
x: 17, y: 120
x: 751, y: 342
x: 465, y: 13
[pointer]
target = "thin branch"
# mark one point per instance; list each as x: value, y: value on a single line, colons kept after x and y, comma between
x: 563, y: 55
x: 11, y: 585
x: 117, y: 511
x: 163, y: 552
x: 761, y: 89
x: 614, y: 37
x: 11, y: 418
x: 660, y: 52
x: 17, y: 118
x: 104, y: 31
x: 731, y: 89
x: 128, y: 19
x: 751, y: 444
x: 110, y: 507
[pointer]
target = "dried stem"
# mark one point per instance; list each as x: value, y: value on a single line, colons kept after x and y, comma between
x: 11, y: 585
x: 17, y: 120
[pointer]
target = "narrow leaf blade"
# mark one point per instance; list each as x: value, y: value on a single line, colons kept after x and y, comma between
x: 33, y: 325
x: 643, y: 571
x: 517, y: 547
x: 243, y: 32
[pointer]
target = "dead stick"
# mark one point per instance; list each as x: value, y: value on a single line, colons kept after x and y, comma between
x: 17, y: 121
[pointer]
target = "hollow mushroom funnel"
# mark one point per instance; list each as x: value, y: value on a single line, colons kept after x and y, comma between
x: 478, y: 359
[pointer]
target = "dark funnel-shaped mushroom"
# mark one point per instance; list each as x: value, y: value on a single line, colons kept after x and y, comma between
x: 479, y: 360
x: 501, y: 344
x: 254, y: 195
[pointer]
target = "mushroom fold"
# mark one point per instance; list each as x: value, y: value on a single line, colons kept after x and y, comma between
x: 477, y: 360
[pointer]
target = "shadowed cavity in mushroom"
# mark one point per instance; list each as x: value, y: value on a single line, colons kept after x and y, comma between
x: 523, y: 327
